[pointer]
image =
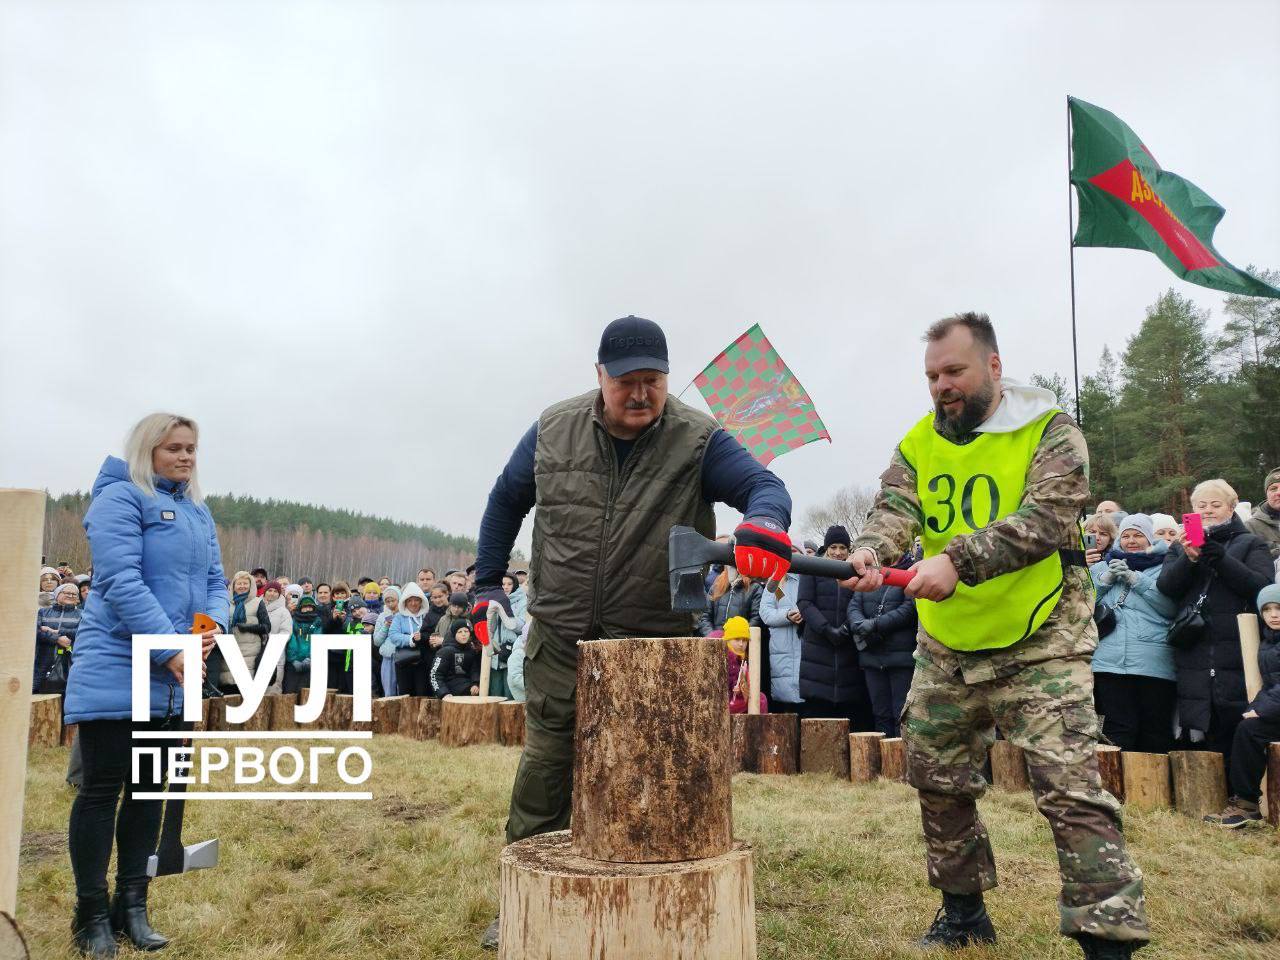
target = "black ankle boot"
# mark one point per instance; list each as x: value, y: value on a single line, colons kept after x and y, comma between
x: 1095, y: 948
x: 961, y: 922
x: 91, y: 928
x: 129, y: 916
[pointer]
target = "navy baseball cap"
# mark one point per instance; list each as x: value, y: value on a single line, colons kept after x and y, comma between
x: 633, y: 343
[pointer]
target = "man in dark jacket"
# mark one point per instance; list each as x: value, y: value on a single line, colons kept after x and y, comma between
x: 610, y: 472
x: 831, y: 681
x: 883, y: 624
x: 1265, y: 522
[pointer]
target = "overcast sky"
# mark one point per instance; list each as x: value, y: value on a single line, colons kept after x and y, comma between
x: 365, y: 244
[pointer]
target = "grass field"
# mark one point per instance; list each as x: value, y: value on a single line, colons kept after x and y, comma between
x: 839, y: 870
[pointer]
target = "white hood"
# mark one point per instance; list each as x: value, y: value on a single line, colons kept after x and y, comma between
x: 1019, y: 405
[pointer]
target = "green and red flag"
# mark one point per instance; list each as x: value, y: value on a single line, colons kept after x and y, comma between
x: 757, y: 398
x: 1128, y: 200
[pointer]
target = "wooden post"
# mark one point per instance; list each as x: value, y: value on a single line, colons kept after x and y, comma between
x: 766, y: 743
x: 1199, y: 782
x: 21, y: 541
x: 753, y: 671
x: 893, y: 759
x: 46, y: 720
x: 411, y: 718
x: 652, y: 738
x: 465, y: 721
x: 511, y: 723
x: 1146, y: 781
x: 386, y: 715
x: 282, y: 706
x: 1110, y: 770
x: 824, y: 747
x: 1273, y: 784
x: 864, y: 756
x: 1009, y: 767
x: 429, y: 718
x: 557, y: 904
x: 484, y: 671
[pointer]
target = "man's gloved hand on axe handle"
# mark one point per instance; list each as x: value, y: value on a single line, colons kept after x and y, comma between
x: 932, y: 579
x: 762, y: 551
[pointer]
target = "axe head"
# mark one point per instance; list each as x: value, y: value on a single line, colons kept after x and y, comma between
x: 195, y: 856
x: 688, y: 553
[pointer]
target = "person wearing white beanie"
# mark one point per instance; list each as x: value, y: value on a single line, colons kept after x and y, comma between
x: 1166, y: 528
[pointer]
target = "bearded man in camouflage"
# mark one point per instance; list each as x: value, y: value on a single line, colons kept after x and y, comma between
x: 993, y: 482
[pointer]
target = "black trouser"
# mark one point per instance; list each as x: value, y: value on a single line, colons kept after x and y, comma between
x: 106, y: 750
x: 888, y: 690
x: 1136, y: 711
x: 414, y: 679
x: 1249, y: 756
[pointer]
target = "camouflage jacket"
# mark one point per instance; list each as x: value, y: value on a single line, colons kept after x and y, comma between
x: 1047, y: 519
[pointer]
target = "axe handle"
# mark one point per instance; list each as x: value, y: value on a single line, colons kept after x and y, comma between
x: 817, y: 566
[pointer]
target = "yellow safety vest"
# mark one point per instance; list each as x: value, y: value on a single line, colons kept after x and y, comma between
x: 963, y: 488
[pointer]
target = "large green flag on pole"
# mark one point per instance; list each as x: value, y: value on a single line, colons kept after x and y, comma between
x: 1127, y: 200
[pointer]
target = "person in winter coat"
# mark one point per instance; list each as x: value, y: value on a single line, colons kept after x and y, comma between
x: 737, y: 636
x: 56, y: 627
x: 883, y: 626
x: 515, y: 663
x: 832, y: 683
x: 157, y: 564
x: 297, y: 652
x: 457, y: 667
x: 516, y: 595
x: 782, y: 616
x: 504, y: 631
x: 1134, y: 678
x: 372, y: 594
x: 250, y: 625
x: 732, y: 595
x: 1260, y: 724
x: 50, y: 580
x: 404, y: 633
x: 281, y: 622
x: 1165, y: 527
x: 1265, y: 522
x: 1103, y: 528
x: 455, y: 612
x: 1228, y: 571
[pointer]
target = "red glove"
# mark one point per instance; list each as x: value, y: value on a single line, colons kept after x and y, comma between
x: 762, y: 549
x: 480, y: 622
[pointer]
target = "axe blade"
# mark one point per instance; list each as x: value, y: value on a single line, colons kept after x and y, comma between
x: 195, y: 856
x: 688, y: 553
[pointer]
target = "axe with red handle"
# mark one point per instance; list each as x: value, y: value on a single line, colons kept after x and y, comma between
x: 688, y: 552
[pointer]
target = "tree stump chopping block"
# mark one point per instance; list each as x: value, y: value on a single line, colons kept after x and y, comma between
x: 1273, y: 784
x: 411, y: 718
x: 386, y: 715
x: 466, y: 721
x: 766, y: 743
x: 282, y: 706
x: 1009, y: 767
x: 429, y: 718
x: 1199, y: 782
x: 336, y: 714
x: 1111, y: 771
x: 652, y: 738
x: 864, y: 756
x: 893, y: 759
x: 554, y: 903
x: 218, y: 711
x: 1146, y: 781
x: 511, y: 723
x: 46, y: 720
x: 259, y: 720
x: 69, y: 734
x: 824, y: 747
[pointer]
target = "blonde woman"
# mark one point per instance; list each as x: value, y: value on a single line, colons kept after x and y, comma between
x: 156, y: 564
x: 250, y: 625
x: 1104, y: 530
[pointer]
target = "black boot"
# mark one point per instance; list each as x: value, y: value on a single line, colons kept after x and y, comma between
x: 91, y: 928
x: 129, y: 916
x: 1095, y: 948
x: 962, y: 922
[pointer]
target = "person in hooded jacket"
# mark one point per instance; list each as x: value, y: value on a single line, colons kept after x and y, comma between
x: 250, y: 625
x: 1227, y: 571
x: 1265, y: 521
x: 1134, y: 679
x: 56, y: 627
x: 281, y: 622
x: 405, y: 634
x: 832, y: 683
x: 732, y: 595
x: 297, y: 651
x: 157, y: 564
x: 883, y: 626
x: 782, y: 616
x: 455, y: 612
x: 457, y: 666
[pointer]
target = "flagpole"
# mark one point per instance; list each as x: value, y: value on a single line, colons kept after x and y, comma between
x: 1071, y: 248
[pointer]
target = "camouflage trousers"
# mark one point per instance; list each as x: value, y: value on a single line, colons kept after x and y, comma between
x: 1046, y: 708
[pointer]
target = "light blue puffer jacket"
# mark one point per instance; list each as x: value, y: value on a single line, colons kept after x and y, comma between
x: 156, y: 564
x: 784, y: 642
x: 1139, y: 644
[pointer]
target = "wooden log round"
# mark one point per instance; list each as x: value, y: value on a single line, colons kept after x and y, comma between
x: 411, y: 718
x: 652, y: 738
x: 1110, y: 770
x: 1009, y: 767
x: 511, y: 723
x: 893, y: 759
x: 767, y: 743
x: 69, y: 734
x: 259, y: 720
x: 45, y: 728
x: 386, y: 715
x: 1199, y: 782
x: 554, y: 903
x: 282, y: 707
x: 824, y: 746
x: 1146, y: 781
x: 466, y: 721
x: 218, y: 711
x: 864, y: 756
x: 1273, y: 784
x: 336, y: 714
x: 429, y: 718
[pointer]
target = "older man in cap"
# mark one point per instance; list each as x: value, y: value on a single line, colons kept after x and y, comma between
x: 610, y: 472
